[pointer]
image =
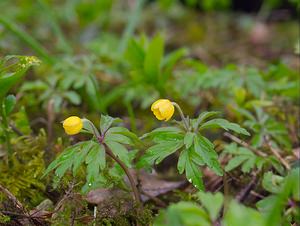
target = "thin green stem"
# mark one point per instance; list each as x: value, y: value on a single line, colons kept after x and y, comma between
x: 5, y: 127
x: 184, y: 119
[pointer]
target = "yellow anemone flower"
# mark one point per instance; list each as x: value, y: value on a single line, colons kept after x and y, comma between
x: 72, y: 125
x: 163, y: 109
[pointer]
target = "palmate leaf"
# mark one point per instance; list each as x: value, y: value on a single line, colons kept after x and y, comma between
x: 120, y: 151
x: 121, y: 135
x: 158, y: 152
x: 162, y: 131
x: 66, y: 155
x: 223, y: 123
x: 193, y: 174
x: 189, y: 139
x: 95, y: 161
x: 106, y: 122
x: 202, y: 117
x: 205, y: 149
x: 188, y: 162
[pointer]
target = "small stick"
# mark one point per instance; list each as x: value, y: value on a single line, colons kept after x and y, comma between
x: 276, y: 153
x: 245, y: 191
x: 244, y: 144
x: 12, y: 198
x: 155, y: 199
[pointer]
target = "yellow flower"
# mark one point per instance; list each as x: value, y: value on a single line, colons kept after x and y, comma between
x: 163, y: 109
x: 72, y: 125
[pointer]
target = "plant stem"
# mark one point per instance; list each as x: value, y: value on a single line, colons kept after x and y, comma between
x: 5, y: 127
x: 185, y: 121
x: 127, y: 172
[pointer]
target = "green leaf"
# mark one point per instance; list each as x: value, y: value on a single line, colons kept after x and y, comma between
x: 8, y: 80
x: 66, y: 155
x: 153, y: 58
x: 135, y: 54
x: 9, y: 103
x: 193, y: 174
x: 222, y: 123
x: 183, y: 214
x: 206, y: 150
x: 203, y: 116
x: 121, y: 135
x: 158, y: 152
x: 189, y: 139
x: 238, y: 215
x: 212, y: 203
x: 105, y: 123
x: 162, y: 130
x: 120, y: 151
x: 235, y: 162
x: 80, y: 155
x: 182, y: 161
x: 248, y: 165
x: 95, y: 161
x: 73, y: 97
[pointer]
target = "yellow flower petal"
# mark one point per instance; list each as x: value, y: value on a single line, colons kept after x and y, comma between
x: 72, y: 125
x: 163, y: 109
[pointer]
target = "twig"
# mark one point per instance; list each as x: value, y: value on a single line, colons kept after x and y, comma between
x: 155, y: 199
x: 12, y: 198
x: 244, y: 144
x: 276, y: 153
x: 15, y: 129
x: 245, y: 191
x: 257, y: 194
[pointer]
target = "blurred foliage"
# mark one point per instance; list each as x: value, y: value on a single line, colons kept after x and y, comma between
x: 117, y: 57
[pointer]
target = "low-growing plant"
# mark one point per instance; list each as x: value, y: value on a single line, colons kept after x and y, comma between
x: 188, y: 138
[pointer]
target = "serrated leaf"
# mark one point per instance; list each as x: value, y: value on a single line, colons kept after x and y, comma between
x: 193, y: 174
x: 105, y: 122
x: 189, y: 139
x: 222, y: 123
x: 206, y: 150
x: 65, y: 155
x: 158, y: 152
x: 120, y: 151
x: 9, y: 103
x: 162, y: 130
x: 80, y: 155
x: 203, y: 116
x: 182, y: 161
x: 95, y: 161
x: 121, y: 135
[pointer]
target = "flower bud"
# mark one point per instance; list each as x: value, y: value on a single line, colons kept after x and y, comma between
x: 72, y: 125
x: 163, y: 109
